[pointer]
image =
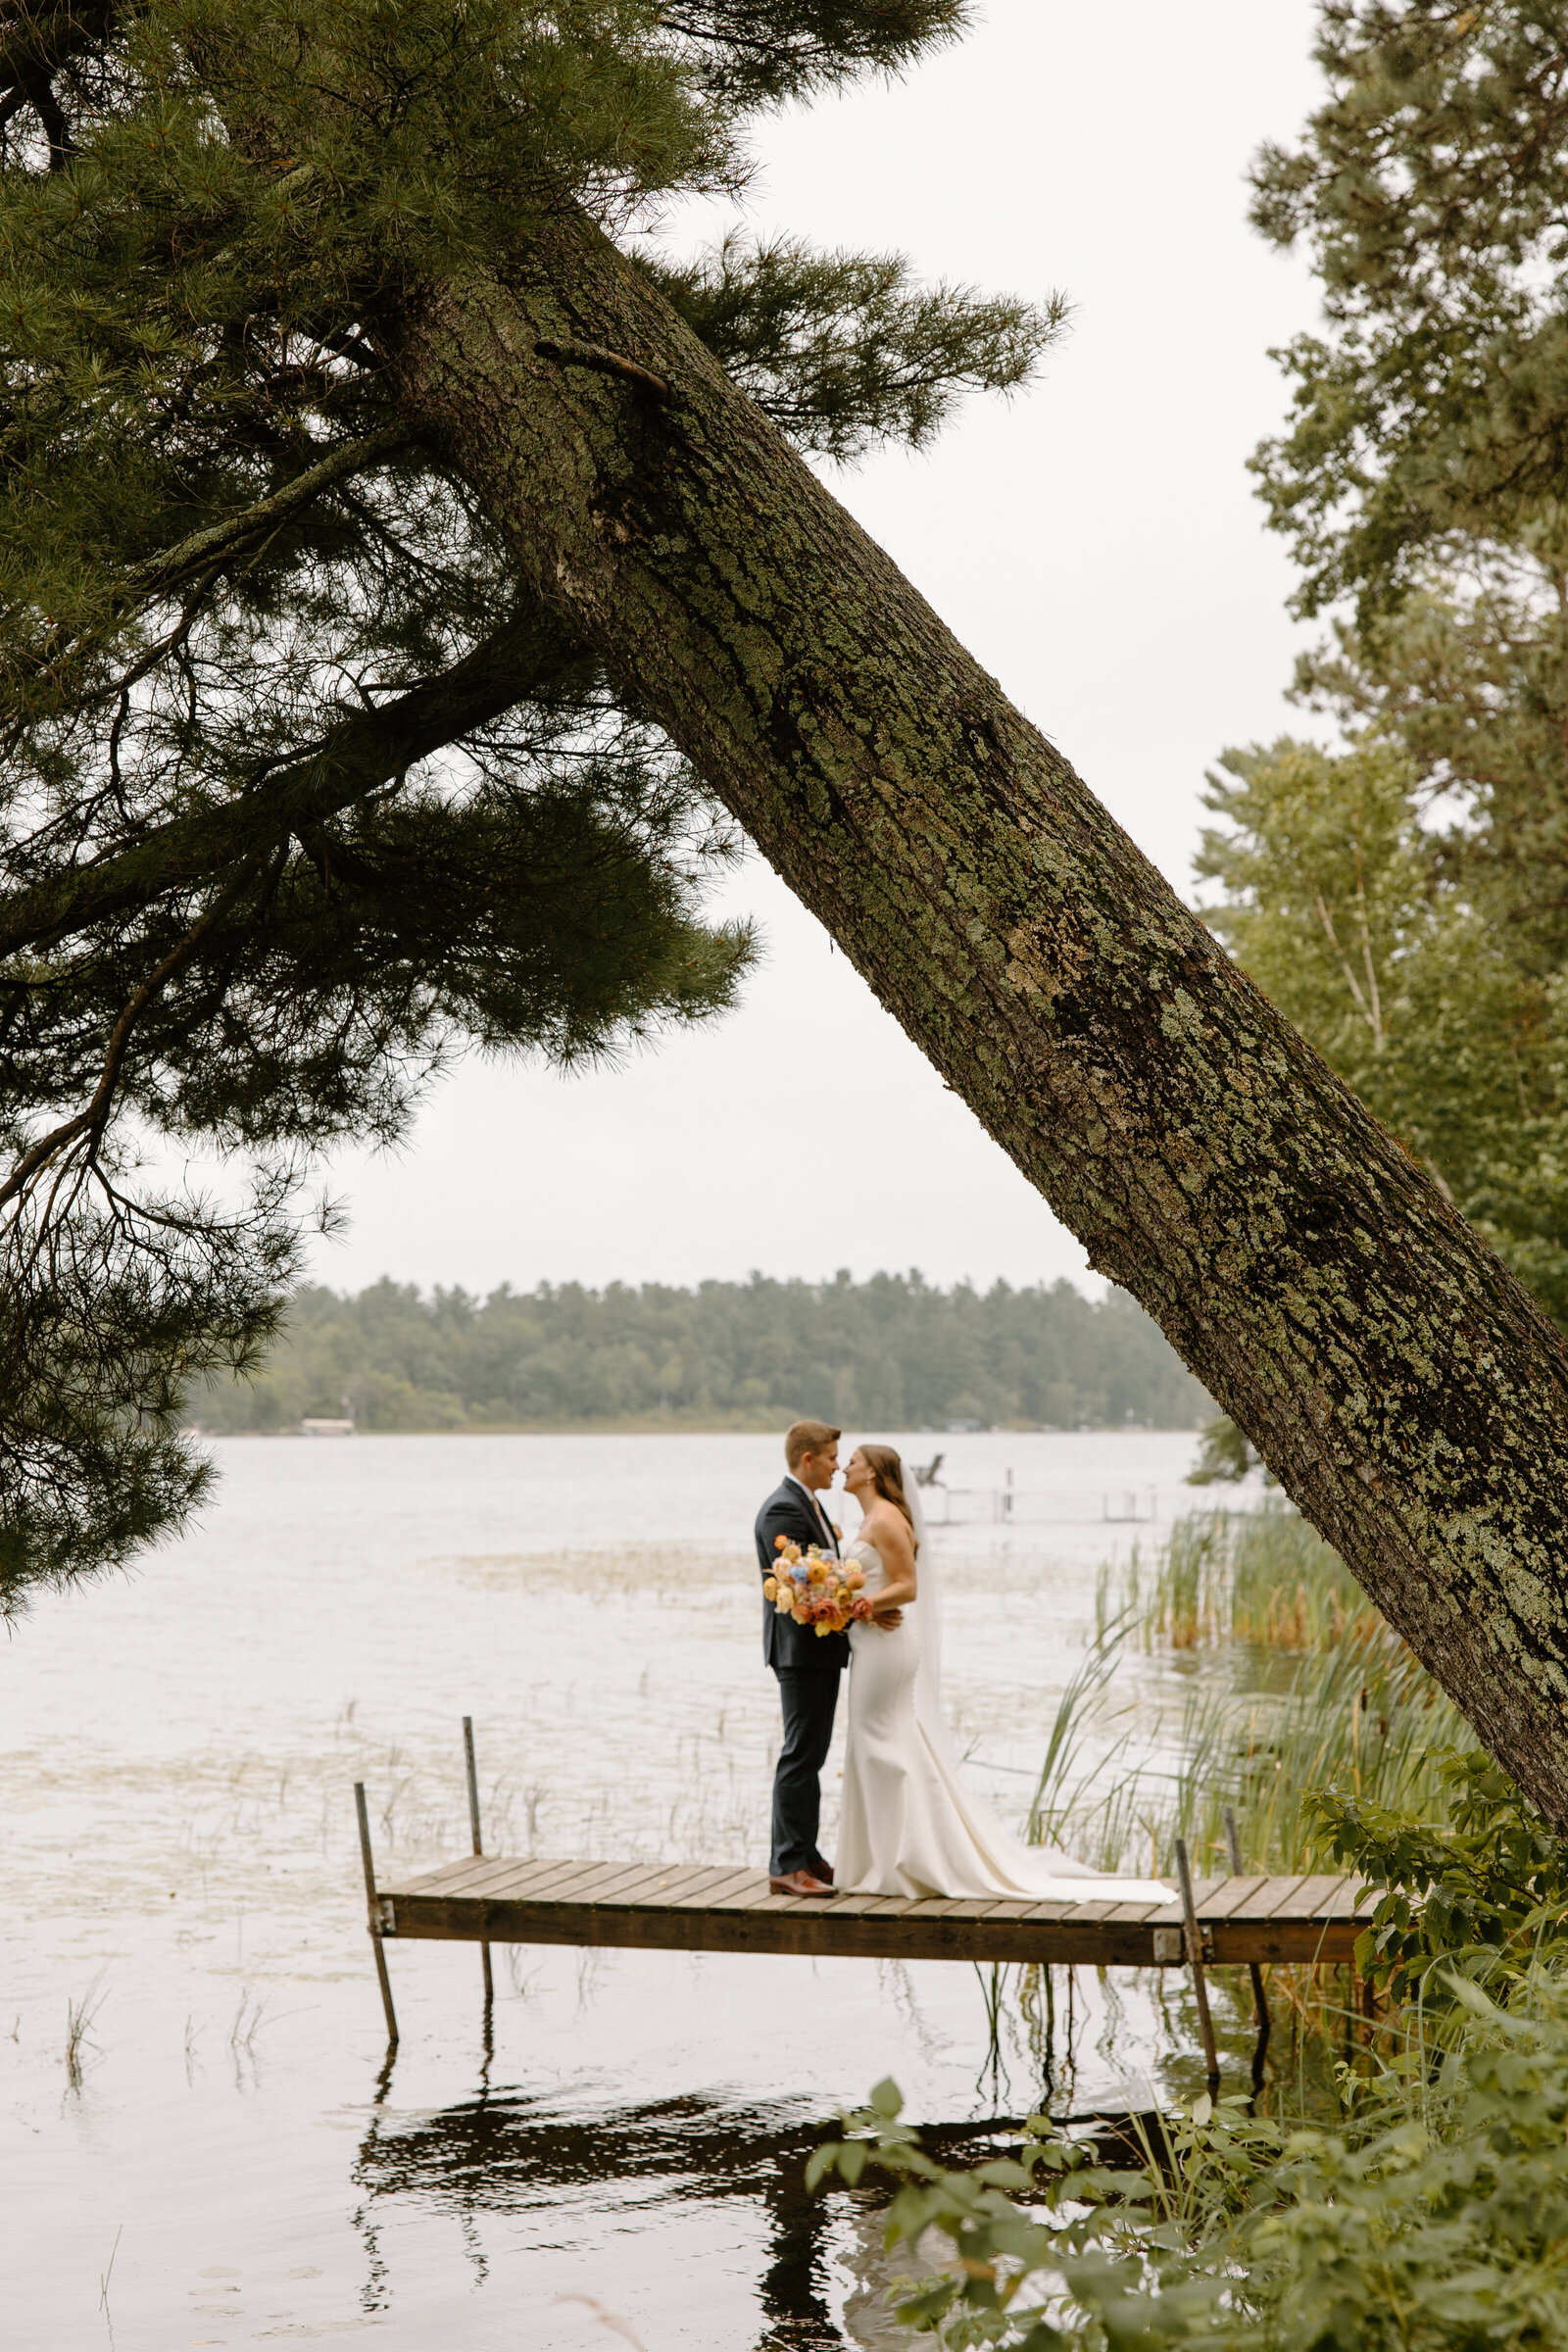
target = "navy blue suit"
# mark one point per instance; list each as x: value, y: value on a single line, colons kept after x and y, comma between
x: 808, y: 1665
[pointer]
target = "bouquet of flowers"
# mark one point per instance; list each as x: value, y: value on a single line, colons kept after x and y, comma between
x: 815, y: 1589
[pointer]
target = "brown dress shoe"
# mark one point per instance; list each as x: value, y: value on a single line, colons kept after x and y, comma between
x: 798, y: 1881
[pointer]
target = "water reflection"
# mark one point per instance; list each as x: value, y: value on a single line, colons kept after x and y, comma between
x: 503, y: 2152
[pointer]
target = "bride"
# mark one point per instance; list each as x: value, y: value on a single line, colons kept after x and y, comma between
x: 912, y: 1825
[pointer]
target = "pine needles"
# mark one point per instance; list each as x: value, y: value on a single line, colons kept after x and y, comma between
x: 300, y: 791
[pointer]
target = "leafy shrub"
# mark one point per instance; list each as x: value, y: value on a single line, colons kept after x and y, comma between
x: 1484, y: 1897
x: 1434, y: 2220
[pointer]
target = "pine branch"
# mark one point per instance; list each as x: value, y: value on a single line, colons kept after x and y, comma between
x: 368, y: 749
x: 766, y: 50
x: 603, y: 362
x: 92, y: 1120
x: 37, y: 41
x: 160, y: 573
x: 209, y: 549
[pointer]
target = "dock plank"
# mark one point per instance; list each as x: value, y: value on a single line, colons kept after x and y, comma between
x: 647, y: 1883
x: 482, y: 1872
x: 1236, y: 1899
x: 1277, y: 1896
x: 1313, y: 1899
x: 559, y: 1884
x: 722, y: 1883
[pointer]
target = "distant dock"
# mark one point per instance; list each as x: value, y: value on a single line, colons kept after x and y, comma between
x: 1010, y: 1506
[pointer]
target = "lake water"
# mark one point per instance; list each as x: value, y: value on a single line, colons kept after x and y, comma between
x: 181, y: 1874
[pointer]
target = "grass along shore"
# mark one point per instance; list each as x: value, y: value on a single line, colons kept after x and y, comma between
x: 1284, y: 1679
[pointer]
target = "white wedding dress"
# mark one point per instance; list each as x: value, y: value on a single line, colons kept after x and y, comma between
x: 910, y: 1824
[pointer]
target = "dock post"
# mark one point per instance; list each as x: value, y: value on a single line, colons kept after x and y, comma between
x: 1265, y: 2022
x: 473, y: 1823
x: 374, y: 1907
x: 1195, y: 1953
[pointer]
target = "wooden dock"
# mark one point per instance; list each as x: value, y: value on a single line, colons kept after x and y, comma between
x: 490, y: 1899
x: 696, y: 1907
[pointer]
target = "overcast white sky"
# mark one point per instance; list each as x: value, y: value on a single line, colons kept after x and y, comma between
x: 1094, y: 543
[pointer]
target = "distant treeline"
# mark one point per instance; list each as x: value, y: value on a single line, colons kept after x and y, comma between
x: 891, y: 1353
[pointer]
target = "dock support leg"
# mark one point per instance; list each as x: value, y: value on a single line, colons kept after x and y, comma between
x: 374, y: 1909
x: 473, y: 1823
x: 1266, y: 2023
x: 1195, y: 1953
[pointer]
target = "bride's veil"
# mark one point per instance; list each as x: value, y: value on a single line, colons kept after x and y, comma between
x: 928, y: 1706
x: 928, y: 1680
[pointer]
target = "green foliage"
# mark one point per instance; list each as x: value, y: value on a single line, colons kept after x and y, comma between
x: 1430, y: 190
x: 842, y: 350
x: 1361, y: 926
x: 296, y: 794
x: 1436, y: 2219
x: 1470, y: 681
x: 1420, y: 482
x: 893, y: 1352
x: 1227, y: 1457
x: 141, y: 1296
x: 1482, y: 1895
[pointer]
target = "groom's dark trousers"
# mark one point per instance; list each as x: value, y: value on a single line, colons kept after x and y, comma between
x: 808, y: 1665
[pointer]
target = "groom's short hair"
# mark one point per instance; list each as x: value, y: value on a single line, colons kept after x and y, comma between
x: 807, y: 1437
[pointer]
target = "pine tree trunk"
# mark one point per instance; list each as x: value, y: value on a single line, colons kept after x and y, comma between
x: 1405, y: 1390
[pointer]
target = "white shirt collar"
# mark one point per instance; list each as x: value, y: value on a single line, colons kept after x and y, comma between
x: 813, y: 1500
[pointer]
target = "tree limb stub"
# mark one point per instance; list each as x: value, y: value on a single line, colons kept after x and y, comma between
x: 607, y: 362
x: 1403, y: 1388
x: 367, y: 749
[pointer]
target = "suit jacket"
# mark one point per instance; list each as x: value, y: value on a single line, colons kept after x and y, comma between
x: 787, y: 1646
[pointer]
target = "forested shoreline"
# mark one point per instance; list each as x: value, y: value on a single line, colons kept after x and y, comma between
x: 895, y: 1352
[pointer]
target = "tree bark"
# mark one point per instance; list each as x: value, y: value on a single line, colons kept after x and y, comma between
x: 1405, y: 1390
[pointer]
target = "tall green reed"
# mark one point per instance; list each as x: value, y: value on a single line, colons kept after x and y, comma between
x: 1292, y: 1682
x: 1359, y: 1714
x: 1262, y: 1576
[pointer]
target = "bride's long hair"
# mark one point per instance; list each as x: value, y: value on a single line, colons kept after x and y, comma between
x: 887, y: 1472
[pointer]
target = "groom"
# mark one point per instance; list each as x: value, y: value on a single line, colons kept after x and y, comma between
x: 807, y: 1664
